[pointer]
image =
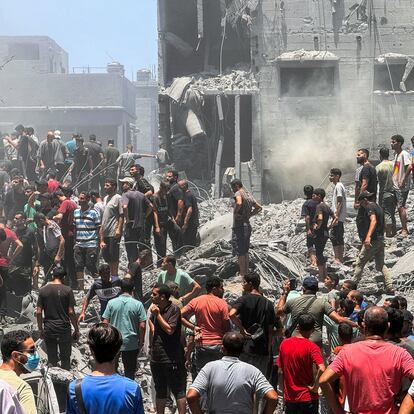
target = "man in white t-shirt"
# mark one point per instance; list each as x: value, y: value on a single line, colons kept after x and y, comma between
x: 339, y: 208
x: 402, y: 170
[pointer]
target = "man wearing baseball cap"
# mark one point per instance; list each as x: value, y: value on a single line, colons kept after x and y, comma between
x: 308, y: 303
x: 371, y: 228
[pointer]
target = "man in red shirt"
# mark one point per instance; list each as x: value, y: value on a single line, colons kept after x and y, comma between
x: 373, y: 370
x: 212, y: 316
x: 8, y: 240
x: 52, y: 183
x: 65, y: 219
x: 297, y: 358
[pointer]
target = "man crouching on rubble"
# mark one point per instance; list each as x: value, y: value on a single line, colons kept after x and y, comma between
x: 245, y: 207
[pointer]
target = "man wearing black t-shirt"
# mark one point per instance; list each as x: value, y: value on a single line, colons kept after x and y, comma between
x: 167, y: 352
x: 308, y: 213
x: 97, y: 156
x: 175, y: 198
x: 191, y: 216
x: 254, y: 315
x: 55, y: 312
x: 322, y: 214
x: 366, y: 180
x: 104, y: 288
x: 372, y: 232
x: 25, y: 263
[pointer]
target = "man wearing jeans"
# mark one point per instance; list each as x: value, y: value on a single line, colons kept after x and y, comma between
x: 128, y: 315
x: 373, y: 240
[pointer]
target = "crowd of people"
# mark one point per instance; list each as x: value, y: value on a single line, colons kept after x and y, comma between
x: 206, y: 353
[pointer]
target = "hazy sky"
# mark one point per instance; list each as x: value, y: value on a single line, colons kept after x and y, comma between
x: 89, y: 30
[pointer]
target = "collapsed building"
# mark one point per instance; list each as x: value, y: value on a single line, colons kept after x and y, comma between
x: 260, y: 88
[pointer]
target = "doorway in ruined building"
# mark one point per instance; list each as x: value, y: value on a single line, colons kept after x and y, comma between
x: 390, y: 77
x: 227, y: 128
x: 191, y: 39
x: 308, y: 80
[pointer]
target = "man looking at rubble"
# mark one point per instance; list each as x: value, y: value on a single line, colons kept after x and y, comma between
x: 371, y: 229
x: 231, y: 386
x: 104, y: 391
x: 55, y: 312
x: 212, y: 316
x: 308, y: 213
x: 386, y: 199
x: 87, y: 222
x: 187, y: 287
x: 126, y: 160
x: 339, y: 210
x: 128, y: 315
x: 365, y: 180
x: 111, y: 154
x: 105, y: 288
x: 191, y: 216
x: 322, y: 215
x: 373, y: 369
x: 110, y: 232
x: 245, y: 207
x: 255, y: 316
x: 175, y: 198
x: 402, y: 170
x: 309, y: 303
x: 49, y: 154
x: 136, y: 208
x: 19, y: 355
x: 96, y: 156
x: 167, y: 352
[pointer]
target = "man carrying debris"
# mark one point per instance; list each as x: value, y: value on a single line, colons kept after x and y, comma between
x: 308, y: 213
x: 245, y: 207
x: 371, y: 228
x: 187, y: 286
x: 104, y: 391
x: 19, y: 355
x: 339, y: 210
x: 386, y: 199
x: 55, y: 312
x: 402, y: 170
x: 128, y: 315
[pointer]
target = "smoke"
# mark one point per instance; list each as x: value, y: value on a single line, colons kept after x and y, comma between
x: 317, y: 133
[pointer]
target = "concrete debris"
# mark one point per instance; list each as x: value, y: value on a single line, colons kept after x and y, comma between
x: 237, y: 10
x: 408, y: 69
x: 391, y: 56
x: 232, y: 81
x: 302, y: 54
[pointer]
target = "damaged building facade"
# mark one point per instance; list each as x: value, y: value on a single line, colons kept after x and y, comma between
x: 277, y: 92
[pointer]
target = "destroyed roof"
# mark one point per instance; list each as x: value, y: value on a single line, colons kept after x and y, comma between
x: 303, y: 54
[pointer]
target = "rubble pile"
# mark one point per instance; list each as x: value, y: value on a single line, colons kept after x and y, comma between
x: 235, y: 80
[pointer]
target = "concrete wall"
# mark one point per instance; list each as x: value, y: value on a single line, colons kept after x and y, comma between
x: 309, y: 135
x: 32, y: 54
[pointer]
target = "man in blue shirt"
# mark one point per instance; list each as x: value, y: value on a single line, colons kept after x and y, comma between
x: 104, y: 391
x: 128, y: 315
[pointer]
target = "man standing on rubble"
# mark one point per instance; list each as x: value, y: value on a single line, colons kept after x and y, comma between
x: 97, y: 157
x: 385, y: 171
x: 401, y: 179
x: 308, y: 213
x: 111, y: 154
x: 245, y: 207
x: 191, y: 216
x: 365, y: 180
x: 175, y: 198
x: 371, y: 228
x: 339, y: 210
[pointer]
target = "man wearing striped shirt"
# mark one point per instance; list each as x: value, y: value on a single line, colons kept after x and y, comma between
x: 87, y: 222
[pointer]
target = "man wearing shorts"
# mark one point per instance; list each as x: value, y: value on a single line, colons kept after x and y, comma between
x: 167, y: 352
x: 245, y: 207
x: 402, y: 170
x: 111, y: 227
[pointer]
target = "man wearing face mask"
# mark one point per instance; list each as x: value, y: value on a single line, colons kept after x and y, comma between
x: 19, y: 356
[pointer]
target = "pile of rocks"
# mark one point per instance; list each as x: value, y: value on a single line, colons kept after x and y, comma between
x: 234, y: 80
